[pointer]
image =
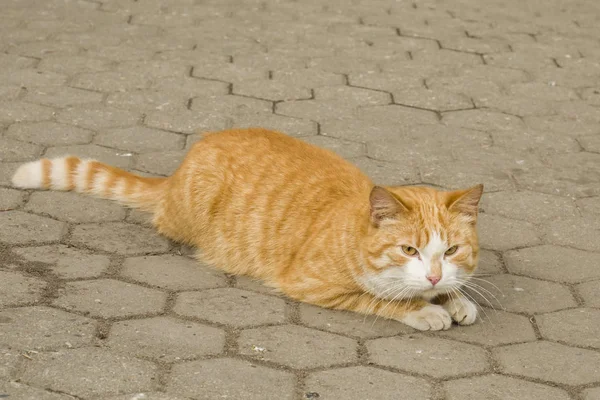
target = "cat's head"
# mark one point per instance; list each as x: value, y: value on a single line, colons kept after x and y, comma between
x: 421, y: 242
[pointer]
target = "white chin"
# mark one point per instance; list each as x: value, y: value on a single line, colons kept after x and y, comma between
x: 429, y: 294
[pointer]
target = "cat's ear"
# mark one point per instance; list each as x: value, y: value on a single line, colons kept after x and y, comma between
x: 465, y: 201
x: 384, y: 205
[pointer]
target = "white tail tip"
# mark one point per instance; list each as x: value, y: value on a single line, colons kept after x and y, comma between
x: 28, y: 176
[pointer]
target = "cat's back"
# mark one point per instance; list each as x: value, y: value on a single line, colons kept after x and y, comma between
x: 270, y: 156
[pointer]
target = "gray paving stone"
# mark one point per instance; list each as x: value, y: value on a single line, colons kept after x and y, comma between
x: 18, y: 289
x: 9, y: 362
x: 108, y: 298
x: 499, y: 233
x: 528, y: 206
x: 24, y: 392
x: 10, y: 199
x: 461, y: 174
x: 49, y: 133
x: 236, y: 379
x: 66, y: 262
x: 343, y: 148
x: 494, y: 328
x: 147, y: 100
x: 89, y: 372
x: 575, y: 327
x: 172, y: 273
x: 140, y: 139
x: 231, y: 306
x: 161, y: 162
x: 165, y: 339
x: 498, y: 387
x: 44, y: 328
x: 543, y: 143
x: 482, y: 120
x: 353, y: 95
x: 17, y: 227
x: 289, y: 125
x: 10, y: 92
x: 271, y: 90
x: 489, y: 264
x: 186, y: 121
x: 439, y: 358
x: 119, y: 238
x: 309, y: 78
x: 559, y: 264
x: 111, y: 81
x: 551, y: 362
x: 70, y: 65
x: 579, y: 233
x: 32, y: 78
x: 145, y: 396
x: 386, y: 173
x: 591, y: 394
x: 349, y: 323
x: 74, y: 207
x: 571, y: 175
x: 520, y: 294
x: 14, y: 150
x: 60, y: 96
x: 93, y: 117
x: 297, y: 347
x: 590, y: 143
x: 358, y: 383
x: 588, y: 291
x: 432, y: 99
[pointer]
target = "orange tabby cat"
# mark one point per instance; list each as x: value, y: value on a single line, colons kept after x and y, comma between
x: 304, y: 220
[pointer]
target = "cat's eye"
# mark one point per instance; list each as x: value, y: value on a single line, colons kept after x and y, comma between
x: 451, y: 250
x: 409, y: 251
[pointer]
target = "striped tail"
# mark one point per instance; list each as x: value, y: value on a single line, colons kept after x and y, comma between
x: 91, y: 177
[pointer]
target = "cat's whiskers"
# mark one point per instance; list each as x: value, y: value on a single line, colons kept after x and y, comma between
x: 488, y: 282
x: 474, y: 285
x: 477, y: 289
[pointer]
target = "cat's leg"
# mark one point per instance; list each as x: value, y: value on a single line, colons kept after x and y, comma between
x: 416, y: 313
x: 462, y: 310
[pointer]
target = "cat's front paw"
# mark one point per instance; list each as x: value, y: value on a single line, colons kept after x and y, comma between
x: 428, y: 318
x: 462, y: 310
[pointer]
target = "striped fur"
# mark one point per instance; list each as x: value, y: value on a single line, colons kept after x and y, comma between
x: 91, y: 177
x: 307, y: 222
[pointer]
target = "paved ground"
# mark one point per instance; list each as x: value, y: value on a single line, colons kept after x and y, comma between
x: 449, y: 93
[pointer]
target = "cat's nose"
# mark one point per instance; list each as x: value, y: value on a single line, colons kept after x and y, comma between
x: 434, y: 279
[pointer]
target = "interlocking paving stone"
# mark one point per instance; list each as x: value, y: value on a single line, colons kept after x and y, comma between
x: 231, y: 306
x: 49, y: 133
x: 580, y: 233
x: 17, y: 227
x: 67, y: 262
x: 349, y: 323
x: 589, y: 292
x: 297, y: 347
x: 521, y: 294
x: 494, y: 328
x: 236, y: 379
x: 165, y: 339
x: 550, y: 362
x: 74, y: 207
x: 172, y: 272
x: 560, y: 264
x: 591, y: 394
x: 119, y: 238
x: 44, y: 328
x: 9, y: 361
x: 357, y: 383
x: 140, y: 139
x: 577, y: 327
x: 18, y: 289
x: 13, y: 150
x: 10, y: 199
x: 57, y: 96
x: 513, y: 104
x: 88, y: 372
x: 439, y: 358
x: 107, y: 298
x: 24, y: 392
x: 498, y: 387
x: 528, y: 206
x: 97, y: 117
x: 499, y: 233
